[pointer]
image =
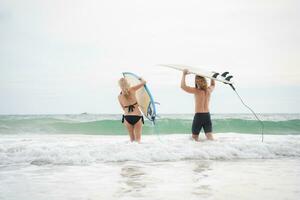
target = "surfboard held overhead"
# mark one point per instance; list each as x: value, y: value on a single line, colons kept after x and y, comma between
x: 224, y: 77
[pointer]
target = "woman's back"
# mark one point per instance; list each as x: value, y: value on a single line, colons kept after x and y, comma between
x: 129, y: 103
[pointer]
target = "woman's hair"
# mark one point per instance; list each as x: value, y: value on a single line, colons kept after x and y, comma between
x: 200, y: 83
x: 124, y: 85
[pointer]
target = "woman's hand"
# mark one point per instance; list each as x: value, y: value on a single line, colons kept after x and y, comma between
x: 138, y: 86
x: 142, y: 80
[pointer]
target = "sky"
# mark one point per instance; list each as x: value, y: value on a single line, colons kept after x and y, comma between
x: 66, y: 56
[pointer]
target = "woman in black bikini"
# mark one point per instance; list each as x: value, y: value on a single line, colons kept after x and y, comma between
x: 132, y: 118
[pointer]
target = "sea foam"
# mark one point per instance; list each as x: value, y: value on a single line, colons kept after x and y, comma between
x: 87, y: 150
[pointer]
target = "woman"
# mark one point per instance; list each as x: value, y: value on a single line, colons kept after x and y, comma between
x: 132, y: 118
x: 202, y: 94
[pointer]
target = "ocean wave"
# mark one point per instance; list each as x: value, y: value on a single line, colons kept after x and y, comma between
x: 87, y: 150
x: 107, y: 126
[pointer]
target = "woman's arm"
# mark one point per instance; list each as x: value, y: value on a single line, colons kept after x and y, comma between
x: 119, y: 98
x: 138, y: 86
x: 183, y: 84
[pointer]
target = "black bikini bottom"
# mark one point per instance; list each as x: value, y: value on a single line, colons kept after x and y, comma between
x: 132, y: 119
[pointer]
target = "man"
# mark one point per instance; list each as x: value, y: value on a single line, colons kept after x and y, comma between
x: 202, y: 94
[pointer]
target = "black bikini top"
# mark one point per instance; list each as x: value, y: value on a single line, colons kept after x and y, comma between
x: 131, y: 107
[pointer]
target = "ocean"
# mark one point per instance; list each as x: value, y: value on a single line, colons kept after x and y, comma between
x: 89, y: 156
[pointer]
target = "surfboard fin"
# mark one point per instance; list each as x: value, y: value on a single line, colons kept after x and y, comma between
x: 153, y: 119
x: 228, y: 78
x: 216, y: 74
x: 224, y: 74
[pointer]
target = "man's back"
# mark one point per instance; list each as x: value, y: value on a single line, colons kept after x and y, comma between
x: 202, y: 98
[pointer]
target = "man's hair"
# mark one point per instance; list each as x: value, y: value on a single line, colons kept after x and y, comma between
x: 200, y: 83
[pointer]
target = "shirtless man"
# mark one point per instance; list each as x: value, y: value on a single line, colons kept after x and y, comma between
x: 202, y: 94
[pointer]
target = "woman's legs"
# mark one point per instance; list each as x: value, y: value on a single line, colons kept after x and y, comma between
x: 138, y: 130
x: 130, y: 129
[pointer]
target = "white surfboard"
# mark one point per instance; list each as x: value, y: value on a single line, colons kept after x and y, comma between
x: 143, y: 96
x: 222, y: 77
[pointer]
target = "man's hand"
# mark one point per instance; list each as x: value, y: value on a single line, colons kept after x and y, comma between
x: 185, y: 72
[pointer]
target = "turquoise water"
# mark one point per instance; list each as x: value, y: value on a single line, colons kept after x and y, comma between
x: 45, y: 157
x: 167, y: 124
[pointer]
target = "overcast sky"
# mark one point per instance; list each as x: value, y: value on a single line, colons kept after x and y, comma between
x: 59, y: 56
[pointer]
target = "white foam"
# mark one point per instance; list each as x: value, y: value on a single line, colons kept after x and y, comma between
x: 86, y: 149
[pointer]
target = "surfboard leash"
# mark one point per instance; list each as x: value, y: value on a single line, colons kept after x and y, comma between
x: 156, y: 129
x: 262, y: 124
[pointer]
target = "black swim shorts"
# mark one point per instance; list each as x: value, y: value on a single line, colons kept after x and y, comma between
x: 201, y: 120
